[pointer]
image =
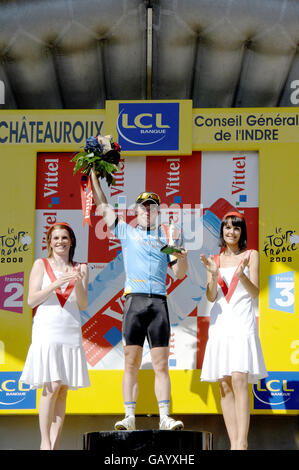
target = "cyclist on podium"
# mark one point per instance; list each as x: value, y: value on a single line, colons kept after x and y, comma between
x: 145, y: 313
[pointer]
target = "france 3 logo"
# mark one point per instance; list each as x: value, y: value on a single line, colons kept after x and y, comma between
x: 148, y: 126
x: 15, y: 395
x: 281, y: 292
x: 278, y: 391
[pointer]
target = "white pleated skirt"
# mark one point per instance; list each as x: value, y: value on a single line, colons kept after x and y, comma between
x: 51, y: 362
x: 227, y: 354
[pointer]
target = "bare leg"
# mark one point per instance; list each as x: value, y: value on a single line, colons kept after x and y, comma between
x: 46, y: 410
x: 133, y: 357
x: 242, y: 407
x: 160, y: 365
x: 228, y: 409
x: 58, y: 417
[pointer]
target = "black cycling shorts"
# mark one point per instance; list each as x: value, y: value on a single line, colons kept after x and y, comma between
x: 146, y: 316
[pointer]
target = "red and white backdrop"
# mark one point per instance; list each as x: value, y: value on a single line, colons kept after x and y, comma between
x: 218, y: 181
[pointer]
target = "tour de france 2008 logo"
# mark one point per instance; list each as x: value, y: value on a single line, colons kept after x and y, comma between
x: 278, y: 391
x: 280, y: 245
x: 148, y: 126
x: 14, y: 244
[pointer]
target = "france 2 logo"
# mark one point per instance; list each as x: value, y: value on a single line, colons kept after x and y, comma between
x: 148, y: 126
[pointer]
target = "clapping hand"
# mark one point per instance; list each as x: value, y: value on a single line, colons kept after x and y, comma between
x: 240, y: 270
x: 210, y: 265
x: 69, y: 276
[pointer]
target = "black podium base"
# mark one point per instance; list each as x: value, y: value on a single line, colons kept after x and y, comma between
x: 148, y: 442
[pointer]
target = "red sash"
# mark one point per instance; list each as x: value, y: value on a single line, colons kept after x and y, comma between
x: 62, y: 296
x: 228, y: 291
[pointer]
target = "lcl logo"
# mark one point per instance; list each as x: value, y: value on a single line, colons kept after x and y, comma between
x: 277, y: 391
x: 12, y: 385
x: 282, y: 385
x: 152, y: 126
x: 14, y: 394
x: 144, y: 121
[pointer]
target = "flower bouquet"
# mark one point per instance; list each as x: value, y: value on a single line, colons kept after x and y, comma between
x: 101, y: 154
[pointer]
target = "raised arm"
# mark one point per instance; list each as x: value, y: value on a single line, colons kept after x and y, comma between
x: 104, y: 209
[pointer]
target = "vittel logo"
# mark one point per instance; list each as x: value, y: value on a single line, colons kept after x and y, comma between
x: 148, y: 126
x: 51, y: 177
x: 49, y: 218
x: 239, y: 179
x: 119, y: 180
x: 173, y: 177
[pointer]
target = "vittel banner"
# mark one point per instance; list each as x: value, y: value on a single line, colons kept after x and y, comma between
x: 186, y: 185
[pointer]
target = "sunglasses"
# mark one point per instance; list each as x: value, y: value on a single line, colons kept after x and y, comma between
x: 144, y: 196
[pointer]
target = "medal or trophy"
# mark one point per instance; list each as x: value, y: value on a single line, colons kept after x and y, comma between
x: 172, y: 236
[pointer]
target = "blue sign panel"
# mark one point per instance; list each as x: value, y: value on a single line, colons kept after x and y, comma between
x: 15, y: 395
x: 281, y: 291
x: 278, y: 391
x: 148, y: 126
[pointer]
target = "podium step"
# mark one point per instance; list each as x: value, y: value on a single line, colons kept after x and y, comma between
x: 147, y: 442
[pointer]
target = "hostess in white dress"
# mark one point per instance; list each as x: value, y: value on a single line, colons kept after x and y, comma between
x: 233, y: 343
x: 56, y: 352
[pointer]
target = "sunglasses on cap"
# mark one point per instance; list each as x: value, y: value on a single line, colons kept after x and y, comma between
x: 148, y: 196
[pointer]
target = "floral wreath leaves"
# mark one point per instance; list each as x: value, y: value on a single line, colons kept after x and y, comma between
x: 104, y: 158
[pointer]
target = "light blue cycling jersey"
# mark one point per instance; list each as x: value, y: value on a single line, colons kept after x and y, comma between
x: 145, y: 265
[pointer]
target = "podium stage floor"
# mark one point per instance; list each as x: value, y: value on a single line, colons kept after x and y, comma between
x: 154, y: 444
